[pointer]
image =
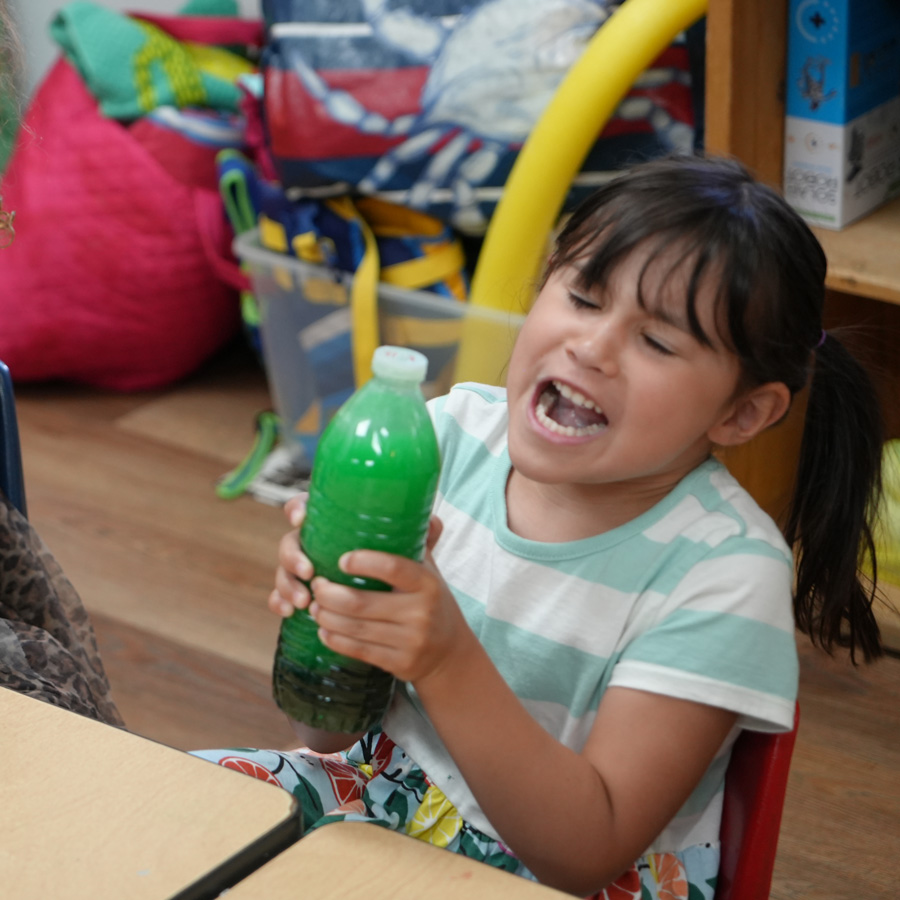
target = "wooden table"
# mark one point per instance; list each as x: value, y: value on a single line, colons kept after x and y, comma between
x: 346, y: 860
x: 91, y: 811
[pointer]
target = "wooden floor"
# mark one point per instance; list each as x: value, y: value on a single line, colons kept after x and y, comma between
x: 121, y: 488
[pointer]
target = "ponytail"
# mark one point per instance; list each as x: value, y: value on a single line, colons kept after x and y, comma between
x: 836, y: 493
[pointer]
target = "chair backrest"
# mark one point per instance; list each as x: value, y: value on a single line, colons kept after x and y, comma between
x: 755, y: 787
x: 12, y: 481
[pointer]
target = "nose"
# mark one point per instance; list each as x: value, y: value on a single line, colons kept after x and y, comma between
x: 598, y: 346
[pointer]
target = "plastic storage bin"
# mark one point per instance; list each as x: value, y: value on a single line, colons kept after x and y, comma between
x: 305, y: 321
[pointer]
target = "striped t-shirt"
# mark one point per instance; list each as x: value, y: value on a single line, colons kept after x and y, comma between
x: 692, y: 599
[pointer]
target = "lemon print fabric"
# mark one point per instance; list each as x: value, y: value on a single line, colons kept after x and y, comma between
x: 436, y: 820
x: 375, y: 781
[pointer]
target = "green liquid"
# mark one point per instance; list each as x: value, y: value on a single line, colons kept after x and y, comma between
x: 373, y: 483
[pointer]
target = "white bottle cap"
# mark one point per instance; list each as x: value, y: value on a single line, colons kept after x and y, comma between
x: 400, y: 364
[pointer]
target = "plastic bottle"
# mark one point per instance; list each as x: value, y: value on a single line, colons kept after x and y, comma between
x: 373, y: 482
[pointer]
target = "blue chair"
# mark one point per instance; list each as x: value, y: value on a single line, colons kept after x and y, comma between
x: 12, y: 482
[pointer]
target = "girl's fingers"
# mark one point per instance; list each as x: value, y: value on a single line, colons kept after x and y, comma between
x: 435, y: 527
x: 295, y: 509
x: 280, y: 606
x: 292, y: 557
x: 383, y: 656
x: 369, y: 637
x: 293, y: 593
x: 350, y: 611
x: 400, y: 573
x: 290, y: 593
x: 361, y: 630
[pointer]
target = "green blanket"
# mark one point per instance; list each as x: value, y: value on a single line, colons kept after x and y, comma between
x: 132, y: 67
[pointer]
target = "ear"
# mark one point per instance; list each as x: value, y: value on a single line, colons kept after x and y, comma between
x: 752, y: 412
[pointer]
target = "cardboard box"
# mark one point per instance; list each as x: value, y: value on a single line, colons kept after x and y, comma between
x: 842, y: 129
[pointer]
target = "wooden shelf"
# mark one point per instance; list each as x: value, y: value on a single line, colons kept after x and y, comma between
x: 745, y: 61
x: 864, y: 258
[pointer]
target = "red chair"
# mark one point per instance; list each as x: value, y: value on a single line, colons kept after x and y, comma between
x: 755, y: 785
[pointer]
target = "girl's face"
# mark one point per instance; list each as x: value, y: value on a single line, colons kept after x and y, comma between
x: 602, y: 391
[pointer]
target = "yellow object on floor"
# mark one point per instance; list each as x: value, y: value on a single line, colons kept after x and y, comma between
x: 887, y: 532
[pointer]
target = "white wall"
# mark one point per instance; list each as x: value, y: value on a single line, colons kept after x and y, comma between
x: 34, y: 16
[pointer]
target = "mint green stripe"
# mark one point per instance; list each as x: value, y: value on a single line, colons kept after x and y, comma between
x: 627, y: 561
x: 538, y: 668
x: 639, y: 564
x: 749, y: 547
x: 727, y: 648
x: 464, y: 458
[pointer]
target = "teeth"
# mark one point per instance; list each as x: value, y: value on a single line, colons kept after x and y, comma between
x: 567, y: 430
x: 575, y: 397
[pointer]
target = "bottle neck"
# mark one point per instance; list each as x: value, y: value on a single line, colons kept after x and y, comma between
x: 399, y: 384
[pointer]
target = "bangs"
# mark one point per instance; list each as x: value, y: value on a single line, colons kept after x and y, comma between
x: 700, y: 229
x: 677, y: 269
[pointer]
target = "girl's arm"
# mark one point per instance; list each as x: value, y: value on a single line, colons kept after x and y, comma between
x: 577, y: 820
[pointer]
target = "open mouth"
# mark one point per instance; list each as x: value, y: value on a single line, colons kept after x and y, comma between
x: 565, y: 411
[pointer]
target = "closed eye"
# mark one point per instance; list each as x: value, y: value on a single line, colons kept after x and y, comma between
x: 580, y: 302
x: 656, y: 346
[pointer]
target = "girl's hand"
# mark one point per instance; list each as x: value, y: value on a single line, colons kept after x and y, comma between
x: 411, y: 632
x: 295, y: 568
x: 293, y: 565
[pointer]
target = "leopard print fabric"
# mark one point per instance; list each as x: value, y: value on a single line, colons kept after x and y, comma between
x: 47, y: 645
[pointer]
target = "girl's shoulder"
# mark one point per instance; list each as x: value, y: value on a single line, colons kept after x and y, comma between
x: 471, y: 425
x: 475, y: 408
x: 467, y: 393
x: 713, y: 507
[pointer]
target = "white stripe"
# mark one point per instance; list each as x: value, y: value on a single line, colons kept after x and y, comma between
x: 590, y: 612
x: 689, y: 520
x: 758, y: 711
x: 766, y: 599
x: 759, y: 527
x: 491, y: 390
x: 473, y: 417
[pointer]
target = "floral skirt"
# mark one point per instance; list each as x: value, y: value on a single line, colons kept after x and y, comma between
x: 375, y: 781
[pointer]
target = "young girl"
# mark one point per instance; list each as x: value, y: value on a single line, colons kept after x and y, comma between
x: 603, y: 608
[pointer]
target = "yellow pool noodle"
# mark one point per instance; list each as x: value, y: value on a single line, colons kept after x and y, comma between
x: 515, y: 244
